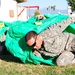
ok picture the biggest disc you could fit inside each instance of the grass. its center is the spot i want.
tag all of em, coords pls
(10, 65)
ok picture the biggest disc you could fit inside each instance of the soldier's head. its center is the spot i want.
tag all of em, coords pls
(34, 40)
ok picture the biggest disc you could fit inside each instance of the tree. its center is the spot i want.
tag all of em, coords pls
(51, 7)
(72, 4)
(37, 12)
(48, 7)
(19, 1)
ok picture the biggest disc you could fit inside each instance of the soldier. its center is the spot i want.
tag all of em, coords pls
(56, 44)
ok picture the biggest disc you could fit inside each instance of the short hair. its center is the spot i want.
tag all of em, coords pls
(29, 34)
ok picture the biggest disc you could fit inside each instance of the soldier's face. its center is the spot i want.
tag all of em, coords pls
(34, 42)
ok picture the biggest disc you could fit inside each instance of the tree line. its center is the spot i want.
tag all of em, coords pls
(70, 3)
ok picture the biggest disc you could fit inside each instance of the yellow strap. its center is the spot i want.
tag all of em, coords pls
(38, 23)
(1, 25)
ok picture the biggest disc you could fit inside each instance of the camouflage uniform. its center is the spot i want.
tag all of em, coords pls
(59, 43)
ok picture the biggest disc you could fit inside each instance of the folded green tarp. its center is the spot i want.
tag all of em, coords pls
(70, 28)
(15, 38)
(3, 29)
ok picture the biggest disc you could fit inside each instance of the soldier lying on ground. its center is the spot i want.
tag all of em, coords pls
(55, 45)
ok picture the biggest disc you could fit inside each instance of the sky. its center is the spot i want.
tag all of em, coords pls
(60, 4)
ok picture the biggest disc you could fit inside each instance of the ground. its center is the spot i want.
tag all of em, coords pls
(10, 65)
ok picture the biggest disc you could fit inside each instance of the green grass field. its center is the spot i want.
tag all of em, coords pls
(12, 66)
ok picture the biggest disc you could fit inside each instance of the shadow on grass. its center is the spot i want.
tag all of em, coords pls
(6, 56)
